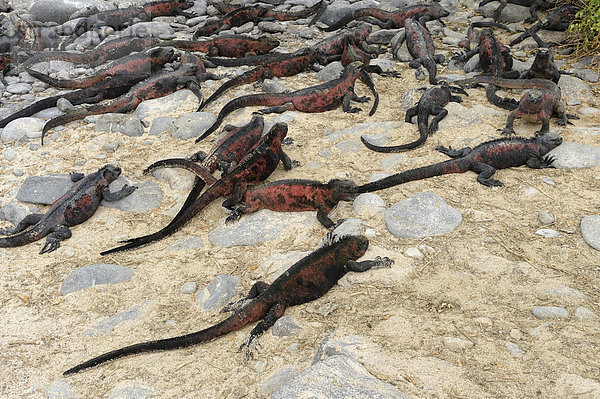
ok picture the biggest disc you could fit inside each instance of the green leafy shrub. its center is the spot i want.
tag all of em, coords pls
(585, 30)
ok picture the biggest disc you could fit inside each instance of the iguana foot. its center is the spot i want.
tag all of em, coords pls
(507, 132)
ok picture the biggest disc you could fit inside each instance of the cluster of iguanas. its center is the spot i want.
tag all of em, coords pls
(245, 157)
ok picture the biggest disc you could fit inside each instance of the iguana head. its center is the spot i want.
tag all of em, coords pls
(110, 172)
(548, 141)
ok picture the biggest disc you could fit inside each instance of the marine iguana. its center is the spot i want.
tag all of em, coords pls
(420, 46)
(296, 195)
(319, 98)
(255, 167)
(543, 67)
(306, 280)
(557, 20)
(224, 155)
(187, 75)
(538, 105)
(75, 207)
(151, 60)
(392, 19)
(432, 102)
(253, 13)
(228, 45)
(483, 160)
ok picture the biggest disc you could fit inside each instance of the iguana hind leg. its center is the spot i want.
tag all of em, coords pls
(27, 221)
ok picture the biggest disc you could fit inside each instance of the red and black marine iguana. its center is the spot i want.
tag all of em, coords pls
(483, 160)
(75, 207)
(306, 280)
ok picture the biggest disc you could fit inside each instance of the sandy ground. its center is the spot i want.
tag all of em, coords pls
(479, 285)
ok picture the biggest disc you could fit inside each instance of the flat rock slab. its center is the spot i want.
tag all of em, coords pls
(574, 89)
(127, 124)
(575, 156)
(338, 377)
(192, 125)
(44, 189)
(131, 390)
(180, 100)
(511, 13)
(97, 274)
(590, 230)
(218, 293)
(422, 215)
(258, 227)
(459, 116)
(147, 196)
(110, 323)
(22, 129)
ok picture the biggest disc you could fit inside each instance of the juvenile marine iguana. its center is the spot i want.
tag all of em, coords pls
(160, 85)
(391, 19)
(306, 280)
(534, 6)
(104, 90)
(296, 195)
(75, 207)
(151, 60)
(111, 50)
(483, 160)
(224, 155)
(557, 20)
(288, 65)
(253, 13)
(538, 104)
(255, 167)
(121, 17)
(228, 45)
(319, 98)
(432, 102)
(420, 46)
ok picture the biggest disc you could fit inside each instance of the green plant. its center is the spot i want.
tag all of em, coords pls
(585, 30)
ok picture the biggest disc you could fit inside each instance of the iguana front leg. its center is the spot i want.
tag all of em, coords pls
(485, 171)
(117, 195)
(58, 233)
(365, 265)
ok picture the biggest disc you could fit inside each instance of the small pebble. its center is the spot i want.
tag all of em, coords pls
(549, 312)
(189, 288)
(546, 218)
(414, 253)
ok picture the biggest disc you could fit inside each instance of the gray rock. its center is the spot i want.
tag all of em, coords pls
(377, 139)
(368, 204)
(199, 8)
(350, 227)
(546, 218)
(189, 288)
(218, 293)
(97, 274)
(549, 312)
(168, 104)
(512, 12)
(192, 125)
(391, 161)
(584, 314)
(64, 105)
(457, 344)
(574, 156)
(110, 323)
(286, 326)
(146, 29)
(472, 64)
(330, 72)
(60, 389)
(21, 129)
(306, 33)
(271, 26)
(590, 230)
(383, 36)
(61, 11)
(131, 390)
(335, 11)
(262, 226)
(247, 27)
(348, 146)
(325, 153)
(277, 380)
(13, 212)
(186, 243)
(87, 40)
(514, 348)
(566, 292)
(161, 124)
(587, 75)
(274, 86)
(547, 233)
(335, 378)
(18, 88)
(128, 124)
(385, 64)
(588, 111)
(410, 98)
(422, 215)
(147, 196)
(573, 88)
(44, 189)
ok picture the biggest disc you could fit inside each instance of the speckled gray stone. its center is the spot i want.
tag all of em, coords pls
(22, 129)
(590, 230)
(549, 312)
(131, 390)
(391, 161)
(127, 124)
(330, 72)
(18, 88)
(512, 12)
(258, 227)
(573, 88)
(459, 116)
(108, 324)
(574, 156)
(277, 380)
(368, 204)
(44, 189)
(60, 389)
(348, 146)
(547, 233)
(218, 293)
(286, 326)
(13, 212)
(271, 26)
(422, 215)
(147, 196)
(161, 124)
(145, 29)
(584, 314)
(337, 377)
(164, 105)
(192, 125)
(97, 274)
(189, 288)
(186, 243)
